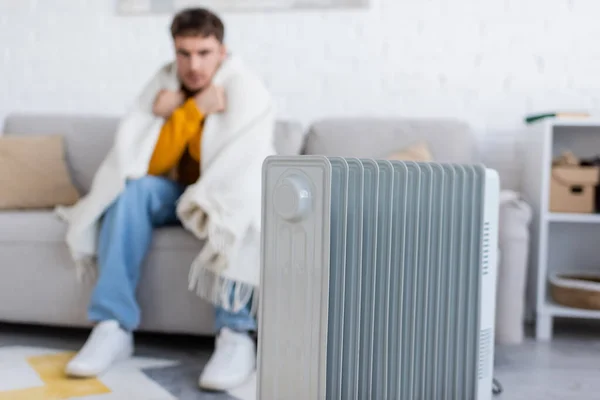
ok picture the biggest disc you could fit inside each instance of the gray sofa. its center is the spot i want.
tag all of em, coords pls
(37, 280)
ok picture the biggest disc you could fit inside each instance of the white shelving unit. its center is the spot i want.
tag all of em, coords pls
(561, 242)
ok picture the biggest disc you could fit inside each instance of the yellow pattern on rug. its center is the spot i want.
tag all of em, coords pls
(57, 386)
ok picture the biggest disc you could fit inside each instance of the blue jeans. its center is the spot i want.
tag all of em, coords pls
(125, 238)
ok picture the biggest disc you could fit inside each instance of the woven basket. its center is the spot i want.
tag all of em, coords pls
(577, 289)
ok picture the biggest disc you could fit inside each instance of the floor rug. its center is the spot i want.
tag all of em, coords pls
(247, 391)
(37, 373)
(28, 373)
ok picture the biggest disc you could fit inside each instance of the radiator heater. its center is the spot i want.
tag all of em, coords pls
(378, 280)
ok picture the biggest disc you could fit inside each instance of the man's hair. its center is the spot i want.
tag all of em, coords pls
(197, 22)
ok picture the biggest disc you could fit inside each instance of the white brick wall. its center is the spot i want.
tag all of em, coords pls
(488, 62)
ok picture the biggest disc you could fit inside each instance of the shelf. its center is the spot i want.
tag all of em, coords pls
(557, 310)
(590, 122)
(560, 241)
(574, 218)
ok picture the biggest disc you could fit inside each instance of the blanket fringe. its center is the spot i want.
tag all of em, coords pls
(85, 268)
(223, 292)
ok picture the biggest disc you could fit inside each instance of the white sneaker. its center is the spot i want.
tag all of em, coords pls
(107, 344)
(232, 362)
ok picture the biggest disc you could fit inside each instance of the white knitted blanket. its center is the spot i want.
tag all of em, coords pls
(223, 208)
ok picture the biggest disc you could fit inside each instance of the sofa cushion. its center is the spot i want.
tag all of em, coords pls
(31, 226)
(38, 285)
(289, 138)
(418, 152)
(88, 139)
(34, 174)
(47, 227)
(449, 140)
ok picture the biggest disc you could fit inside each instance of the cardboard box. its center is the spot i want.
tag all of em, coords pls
(573, 189)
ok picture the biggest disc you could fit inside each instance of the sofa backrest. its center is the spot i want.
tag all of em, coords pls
(449, 140)
(88, 138)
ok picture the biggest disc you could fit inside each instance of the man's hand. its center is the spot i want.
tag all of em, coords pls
(211, 100)
(166, 102)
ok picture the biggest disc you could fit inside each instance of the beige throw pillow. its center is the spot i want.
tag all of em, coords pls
(33, 173)
(418, 152)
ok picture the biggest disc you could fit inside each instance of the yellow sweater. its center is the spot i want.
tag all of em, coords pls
(178, 145)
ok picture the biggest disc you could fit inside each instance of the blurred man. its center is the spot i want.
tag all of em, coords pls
(190, 152)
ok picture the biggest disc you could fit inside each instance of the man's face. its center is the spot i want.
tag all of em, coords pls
(198, 59)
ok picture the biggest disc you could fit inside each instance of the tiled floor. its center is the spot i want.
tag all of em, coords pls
(568, 368)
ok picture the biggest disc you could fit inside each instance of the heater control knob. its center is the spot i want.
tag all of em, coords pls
(292, 198)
